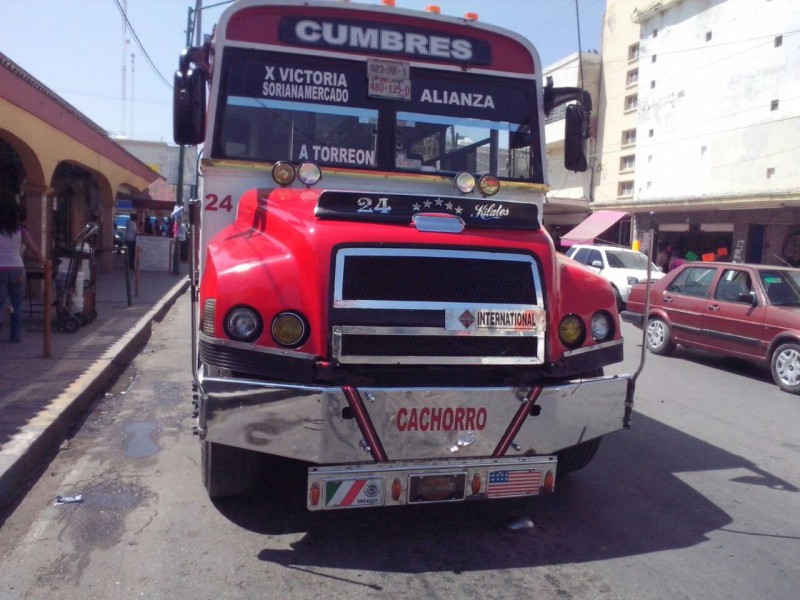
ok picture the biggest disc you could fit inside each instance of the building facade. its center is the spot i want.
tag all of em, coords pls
(702, 110)
(567, 202)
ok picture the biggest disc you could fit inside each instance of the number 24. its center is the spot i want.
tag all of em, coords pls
(214, 203)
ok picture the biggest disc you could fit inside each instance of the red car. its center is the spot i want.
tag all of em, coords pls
(741, 310)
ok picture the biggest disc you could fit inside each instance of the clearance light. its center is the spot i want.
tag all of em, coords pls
(289, 329)
(465, 182)
(283, 173)
(476, 484)
(549, 484)
(471, 16)
(397, 489)
(243, 324)
(488, 185)
(309, 173)
(601, 326)
(432, 8)
(314, 494)
(388, 3)
(571, 331)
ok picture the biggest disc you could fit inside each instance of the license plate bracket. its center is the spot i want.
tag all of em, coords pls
(439, 487)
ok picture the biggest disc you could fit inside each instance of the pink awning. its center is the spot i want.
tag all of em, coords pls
(591, 227)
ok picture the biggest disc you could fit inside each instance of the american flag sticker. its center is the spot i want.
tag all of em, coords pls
(504, 484)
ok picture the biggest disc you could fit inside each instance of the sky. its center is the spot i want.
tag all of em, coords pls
(77, 47)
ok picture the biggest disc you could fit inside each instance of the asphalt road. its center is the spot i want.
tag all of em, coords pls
(698, 500)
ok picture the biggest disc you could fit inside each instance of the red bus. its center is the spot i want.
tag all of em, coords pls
(378, 300)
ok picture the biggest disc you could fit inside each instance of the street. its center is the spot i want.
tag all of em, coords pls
(699, 499)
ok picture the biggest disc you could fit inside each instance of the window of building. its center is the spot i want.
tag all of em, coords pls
(655, 32)
(625, 189)
(778, 40)
(774, 105)
(650, 133)
(653, 58)
(633, 77)
(770, 172)
(708, 36)
(628, 137)
(653, 84)
(633, 51)
(703, 150)
(627, 162)
(631, 102)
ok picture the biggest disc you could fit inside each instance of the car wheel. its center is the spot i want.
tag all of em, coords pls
(785, 365)
(659, 338)
(620, 303)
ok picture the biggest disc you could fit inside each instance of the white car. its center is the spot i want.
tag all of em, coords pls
(621, 266)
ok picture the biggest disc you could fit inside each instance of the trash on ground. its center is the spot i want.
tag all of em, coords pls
(68, 499)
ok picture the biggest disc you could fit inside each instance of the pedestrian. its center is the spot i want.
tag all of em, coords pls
(148, 224)
(131, 230)
(12, 268)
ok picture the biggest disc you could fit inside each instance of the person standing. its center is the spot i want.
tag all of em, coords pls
(12, 268)
(131, 230)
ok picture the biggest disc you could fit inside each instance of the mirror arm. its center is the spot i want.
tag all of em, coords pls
(555, 97)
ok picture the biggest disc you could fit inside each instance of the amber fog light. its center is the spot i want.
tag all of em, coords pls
(309, 173)
(289, 329)
(465, 182)
(283, 173)
(476, 484)
(243, 324)
(571, 331)
(488, 185)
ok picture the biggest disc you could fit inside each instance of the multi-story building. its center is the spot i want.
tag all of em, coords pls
(700, 109)
(567, 202)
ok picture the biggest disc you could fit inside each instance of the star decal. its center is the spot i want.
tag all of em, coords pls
(459, 210)
(415, 206)
(439, 201)
(449, 206)
(427, 203)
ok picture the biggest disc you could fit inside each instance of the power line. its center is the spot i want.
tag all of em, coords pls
(141, 46)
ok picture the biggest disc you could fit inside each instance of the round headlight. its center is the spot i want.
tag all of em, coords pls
(465, 182)
(283, 173)
(488, 185)
(289, 329)
(571, 331)
(309, 173)
(601, 326)
(243, 324)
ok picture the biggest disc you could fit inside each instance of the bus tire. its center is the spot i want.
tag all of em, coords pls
(576, 457)
(229, 471)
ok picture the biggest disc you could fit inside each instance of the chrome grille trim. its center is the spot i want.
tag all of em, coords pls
(466, 346)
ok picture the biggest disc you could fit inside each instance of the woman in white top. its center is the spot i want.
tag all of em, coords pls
(12, 269)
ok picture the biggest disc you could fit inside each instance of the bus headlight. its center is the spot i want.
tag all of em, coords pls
(488, 185)
(289, 329)
(309, 173)
(465, 182)
(283, 173)
(571, 331)
(243, 324)
(601, 326)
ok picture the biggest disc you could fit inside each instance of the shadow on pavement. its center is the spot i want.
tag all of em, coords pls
(629, 501)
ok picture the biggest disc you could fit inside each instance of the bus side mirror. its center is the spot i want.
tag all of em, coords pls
(189, 107)
(574, 138)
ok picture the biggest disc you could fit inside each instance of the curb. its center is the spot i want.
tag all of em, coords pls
(31, 449)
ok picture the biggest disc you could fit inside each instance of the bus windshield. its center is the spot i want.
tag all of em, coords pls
(283, 107)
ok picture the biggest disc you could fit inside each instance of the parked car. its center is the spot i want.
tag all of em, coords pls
(747, 311)
(623, 267)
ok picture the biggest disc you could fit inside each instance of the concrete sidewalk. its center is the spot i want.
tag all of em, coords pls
(40, 398)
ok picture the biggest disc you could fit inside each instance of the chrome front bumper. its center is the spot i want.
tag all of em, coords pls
(330, 425)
